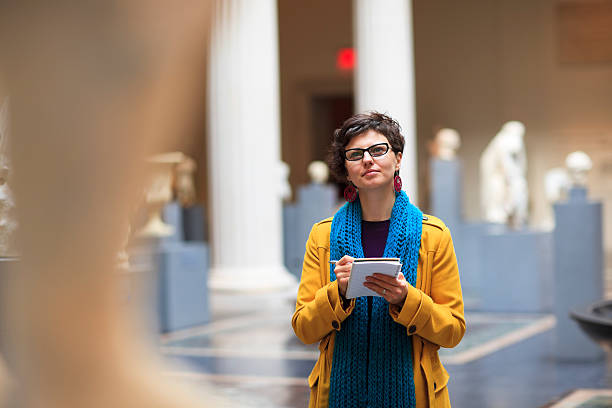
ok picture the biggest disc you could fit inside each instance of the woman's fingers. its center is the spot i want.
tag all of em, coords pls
(345, 260)
(390, 288)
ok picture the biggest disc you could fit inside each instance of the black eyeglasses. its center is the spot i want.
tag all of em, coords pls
(376, 150)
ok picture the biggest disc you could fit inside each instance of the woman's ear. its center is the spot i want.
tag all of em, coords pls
(398, 156)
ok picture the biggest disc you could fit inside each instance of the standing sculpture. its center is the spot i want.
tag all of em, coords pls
(8, 223)
(503, 186)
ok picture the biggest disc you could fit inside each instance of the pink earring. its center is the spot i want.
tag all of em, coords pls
(397, 183)
(350, 193)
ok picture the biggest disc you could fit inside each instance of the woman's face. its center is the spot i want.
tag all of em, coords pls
(371, 173)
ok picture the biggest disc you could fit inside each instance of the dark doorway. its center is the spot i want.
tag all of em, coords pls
(328, 113)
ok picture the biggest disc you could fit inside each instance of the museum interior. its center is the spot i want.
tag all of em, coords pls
(162, 166)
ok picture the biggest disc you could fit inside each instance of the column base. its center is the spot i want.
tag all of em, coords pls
(251, 279)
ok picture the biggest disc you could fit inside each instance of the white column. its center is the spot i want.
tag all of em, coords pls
(244, 169)
(384, 79)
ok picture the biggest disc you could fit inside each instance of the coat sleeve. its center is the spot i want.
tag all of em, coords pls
(319, 308)
(438, 318)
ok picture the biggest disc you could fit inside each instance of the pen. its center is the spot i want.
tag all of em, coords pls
(333, 262)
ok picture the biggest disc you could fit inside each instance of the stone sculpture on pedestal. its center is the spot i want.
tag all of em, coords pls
(559, 180)
(8, 223)
(314, 202)
(503, 186)
(578, 248)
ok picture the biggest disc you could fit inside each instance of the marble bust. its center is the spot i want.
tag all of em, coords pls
(446, 143)
(8, 222)
(503, 183)
(318, 172)
(578, 165)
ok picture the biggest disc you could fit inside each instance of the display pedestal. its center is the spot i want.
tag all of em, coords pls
(178, 270)
(517, 270)
(446, 198)
(315, 202)
(578, 271)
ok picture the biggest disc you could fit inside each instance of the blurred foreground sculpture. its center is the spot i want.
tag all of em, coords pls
(8, 223)
(503, 185)
(95, 88)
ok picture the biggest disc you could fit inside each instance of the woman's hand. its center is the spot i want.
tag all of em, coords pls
(393, 290)
(343, 272)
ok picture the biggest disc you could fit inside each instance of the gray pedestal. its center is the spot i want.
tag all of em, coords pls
(180, 271)
(578, 271)
(468, 243)
(314, 203)
(446, 187)
(446, 204)
(194, 223)
(172, 214)
(517, 271)
(292, 249)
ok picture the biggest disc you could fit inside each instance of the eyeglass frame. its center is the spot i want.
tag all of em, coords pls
(367, 149)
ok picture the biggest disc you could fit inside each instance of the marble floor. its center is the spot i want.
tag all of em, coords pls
(250, 355)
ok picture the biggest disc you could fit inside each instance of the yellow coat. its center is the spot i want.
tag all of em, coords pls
(432, 312)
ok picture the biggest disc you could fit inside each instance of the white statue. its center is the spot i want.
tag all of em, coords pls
(284, 188)
(503, 186)
(318, 172)
(559, 180)
(446, 143)
(578, 165)
(8, 223)
(556, 184)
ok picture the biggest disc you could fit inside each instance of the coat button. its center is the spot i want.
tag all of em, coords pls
(412, 329)
(335, 325)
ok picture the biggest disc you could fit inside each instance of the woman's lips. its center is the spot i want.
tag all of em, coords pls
(370, 172)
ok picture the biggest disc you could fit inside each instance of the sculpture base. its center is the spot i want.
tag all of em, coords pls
(517, 271)
(251, 279)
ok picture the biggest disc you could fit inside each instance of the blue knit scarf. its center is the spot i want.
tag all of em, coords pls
(378, 374)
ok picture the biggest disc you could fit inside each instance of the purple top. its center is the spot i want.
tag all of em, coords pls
(374, 237)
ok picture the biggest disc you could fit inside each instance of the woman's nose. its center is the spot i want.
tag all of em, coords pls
(367, 157)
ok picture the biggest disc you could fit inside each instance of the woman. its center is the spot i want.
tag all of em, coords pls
(378, 351)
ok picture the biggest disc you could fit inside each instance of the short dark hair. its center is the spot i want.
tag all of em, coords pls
(356, 125)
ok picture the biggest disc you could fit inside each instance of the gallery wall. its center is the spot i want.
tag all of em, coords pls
(482, 63)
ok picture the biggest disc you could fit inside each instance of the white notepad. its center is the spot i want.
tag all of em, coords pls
(363, 267)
